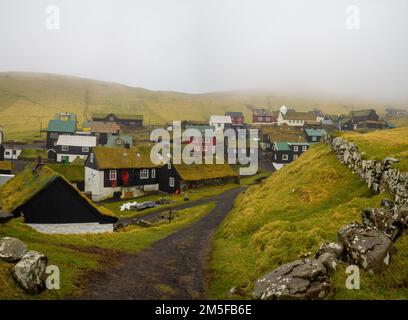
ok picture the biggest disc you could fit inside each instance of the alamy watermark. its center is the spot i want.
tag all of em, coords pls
(352, 17)
(237, 146)
(52, 19)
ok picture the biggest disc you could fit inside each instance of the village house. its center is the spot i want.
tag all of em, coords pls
(73, 172)
(62, 124)
(345, 124)
(175, 178)
(298, 119)
(205, 143)
(314, 135)
(396, 112)
(270, 135)
(119, 172)
(68, 148)
(286, 152)
(131, 121)
(361, 119)
(101, 130)
(122, 140)
(12, 152)
(220, 122)
(237, 118)
(42, 196)
(263, 116)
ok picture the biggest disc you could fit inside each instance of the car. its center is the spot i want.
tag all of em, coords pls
(145, 205)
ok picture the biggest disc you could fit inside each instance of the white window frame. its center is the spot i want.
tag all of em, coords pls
(171, 182)
(304, 148)
(169, 165)
(153, 173)
(296, 148)
(285, 156)
(113, 175)
(314, 138)
(295, 156)
(54, 135)
(144, 174)
(64, 148)
(85, 149)
(91, 157)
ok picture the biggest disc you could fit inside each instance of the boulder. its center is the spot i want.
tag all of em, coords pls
(12, 249)
(334, 248)
(366, 246)
(300, 279)
(30, 272)
(329, 260)
(391, 221)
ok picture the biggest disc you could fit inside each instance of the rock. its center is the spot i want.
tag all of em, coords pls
(12, 249)
(329, 261)
(387, 204)
(234, 291)
(143, 223)
(391, 221)
(300, 279)
(366, 246)
(334, 248)
(30, 272)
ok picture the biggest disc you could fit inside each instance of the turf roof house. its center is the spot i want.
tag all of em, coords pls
(174, 178)
(237, 118)
(102, 130)
(132, 121)
(62, 124)
(68, 148)
(298, 119)
(115, 171)
(74, 173)
(43, 196)
(263, 116)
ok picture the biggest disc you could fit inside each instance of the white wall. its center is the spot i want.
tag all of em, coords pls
(8, 153)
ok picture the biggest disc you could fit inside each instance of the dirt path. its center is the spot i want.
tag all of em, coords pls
(176, 267)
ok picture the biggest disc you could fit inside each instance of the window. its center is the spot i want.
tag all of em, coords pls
(260, 118)
(85, 149)
(64, 148)
(295, 148)
(295, 156)
(304, 148)
(285, 157)
(314, 138)
(54, 135)
(112, 175)
(267, 119)
(153, 173)
(169, 165)
(91, 157)
(144, 174)
(171, 182)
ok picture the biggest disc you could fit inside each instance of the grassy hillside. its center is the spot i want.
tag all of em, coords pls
(381, 144)
(292, 213)
(27, 99)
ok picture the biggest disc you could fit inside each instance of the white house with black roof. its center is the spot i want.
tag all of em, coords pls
(68, 147)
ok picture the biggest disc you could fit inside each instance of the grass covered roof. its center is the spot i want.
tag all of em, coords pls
(123, 158)
(72, 172)
(197, 172)
(27, 184)
(6, 165)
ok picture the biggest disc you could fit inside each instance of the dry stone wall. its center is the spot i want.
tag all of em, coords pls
(379, 175)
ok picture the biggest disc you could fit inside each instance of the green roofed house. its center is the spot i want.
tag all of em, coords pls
(131, 121)
(42, 196)
(286, 152)
(62, 124)
(314, 135)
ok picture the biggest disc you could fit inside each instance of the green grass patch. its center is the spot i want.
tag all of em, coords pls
(287, 215)
(71, 252)
(33, 154)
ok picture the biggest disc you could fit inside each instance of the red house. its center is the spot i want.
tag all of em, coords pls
(262, 116)
(237, 118)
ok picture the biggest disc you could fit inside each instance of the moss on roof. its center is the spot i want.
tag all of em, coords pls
(6, 165)
(197, 172)
(72, 172)
(284, 134)
(121, 116)
(123, 158)
(27, 184)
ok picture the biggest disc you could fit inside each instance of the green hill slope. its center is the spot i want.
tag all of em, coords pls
(27, 99)
(292, 213)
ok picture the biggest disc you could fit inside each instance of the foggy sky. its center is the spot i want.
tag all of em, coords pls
(215, 45)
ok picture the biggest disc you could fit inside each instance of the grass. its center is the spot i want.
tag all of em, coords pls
(70, 252)
(33, 154)
(287, 215)
(194, 194)
(29, 100)
(383, 143)
(249, 180)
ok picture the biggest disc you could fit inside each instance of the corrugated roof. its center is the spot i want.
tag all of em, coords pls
(282, 146)
(122, 158)
(62, 126)
(104, 127)
(316, 132)
(76, 141)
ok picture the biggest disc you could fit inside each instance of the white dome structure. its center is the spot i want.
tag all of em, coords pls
(283, 110)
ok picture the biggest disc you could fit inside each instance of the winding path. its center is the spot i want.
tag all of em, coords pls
(176, 267)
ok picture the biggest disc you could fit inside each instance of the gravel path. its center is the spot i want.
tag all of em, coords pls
(176, 267)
